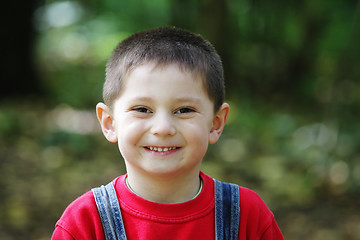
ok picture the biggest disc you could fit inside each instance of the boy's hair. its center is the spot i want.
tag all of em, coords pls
(162, 46)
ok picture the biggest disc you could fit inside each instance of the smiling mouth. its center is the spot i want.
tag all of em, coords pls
(161, 149)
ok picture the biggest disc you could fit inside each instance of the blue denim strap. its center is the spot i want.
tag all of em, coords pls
(109, 211)
(227, 210)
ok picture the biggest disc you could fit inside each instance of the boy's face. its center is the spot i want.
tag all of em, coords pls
(163, 120)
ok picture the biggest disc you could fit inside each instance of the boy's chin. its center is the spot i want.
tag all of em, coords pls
(165, 171)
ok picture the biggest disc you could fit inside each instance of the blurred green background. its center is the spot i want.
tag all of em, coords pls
(292, 73)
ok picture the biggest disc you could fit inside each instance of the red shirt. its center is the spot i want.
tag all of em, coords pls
(149, 220)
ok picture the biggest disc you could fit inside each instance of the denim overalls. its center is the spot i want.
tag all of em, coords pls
(227, 211)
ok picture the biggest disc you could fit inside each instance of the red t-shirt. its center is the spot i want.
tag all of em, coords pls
(149, 220)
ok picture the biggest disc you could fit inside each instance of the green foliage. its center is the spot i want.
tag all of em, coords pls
(292, 82)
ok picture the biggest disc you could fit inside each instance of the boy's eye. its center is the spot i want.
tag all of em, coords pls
(184, 110)
(141, 110)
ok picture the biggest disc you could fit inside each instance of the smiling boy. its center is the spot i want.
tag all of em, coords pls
(163, 95)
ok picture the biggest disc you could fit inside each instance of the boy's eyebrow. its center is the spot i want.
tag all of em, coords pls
(140, 98)
(188, 99)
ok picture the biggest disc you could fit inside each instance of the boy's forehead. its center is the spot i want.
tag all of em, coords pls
(143, 70)
(152, 67)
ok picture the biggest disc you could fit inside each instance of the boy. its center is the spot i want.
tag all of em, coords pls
(163, 94)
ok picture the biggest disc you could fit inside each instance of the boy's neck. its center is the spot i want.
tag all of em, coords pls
(163, 189)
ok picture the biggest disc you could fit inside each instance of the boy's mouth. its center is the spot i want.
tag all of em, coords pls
(161, 149)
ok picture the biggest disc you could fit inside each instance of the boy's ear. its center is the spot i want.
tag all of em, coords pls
(219, 123)
(106, 122)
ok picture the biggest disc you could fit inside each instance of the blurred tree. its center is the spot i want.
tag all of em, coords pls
(18, 75)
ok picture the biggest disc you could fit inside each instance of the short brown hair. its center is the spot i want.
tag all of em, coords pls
(163, 46)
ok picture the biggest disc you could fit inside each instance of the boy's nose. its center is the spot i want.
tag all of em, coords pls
(163, 125)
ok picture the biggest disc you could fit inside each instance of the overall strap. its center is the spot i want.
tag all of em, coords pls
(227, 210)
(109, 211)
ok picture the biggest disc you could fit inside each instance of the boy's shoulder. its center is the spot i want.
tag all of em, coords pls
(252, 206)
(251, 202)
(80, 216)
(80, 220)
(250, 195)
(256, 214)
(256, 219)
(85, 204)
(81, 205)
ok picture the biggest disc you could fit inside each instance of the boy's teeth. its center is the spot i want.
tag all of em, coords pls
(159, 149)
